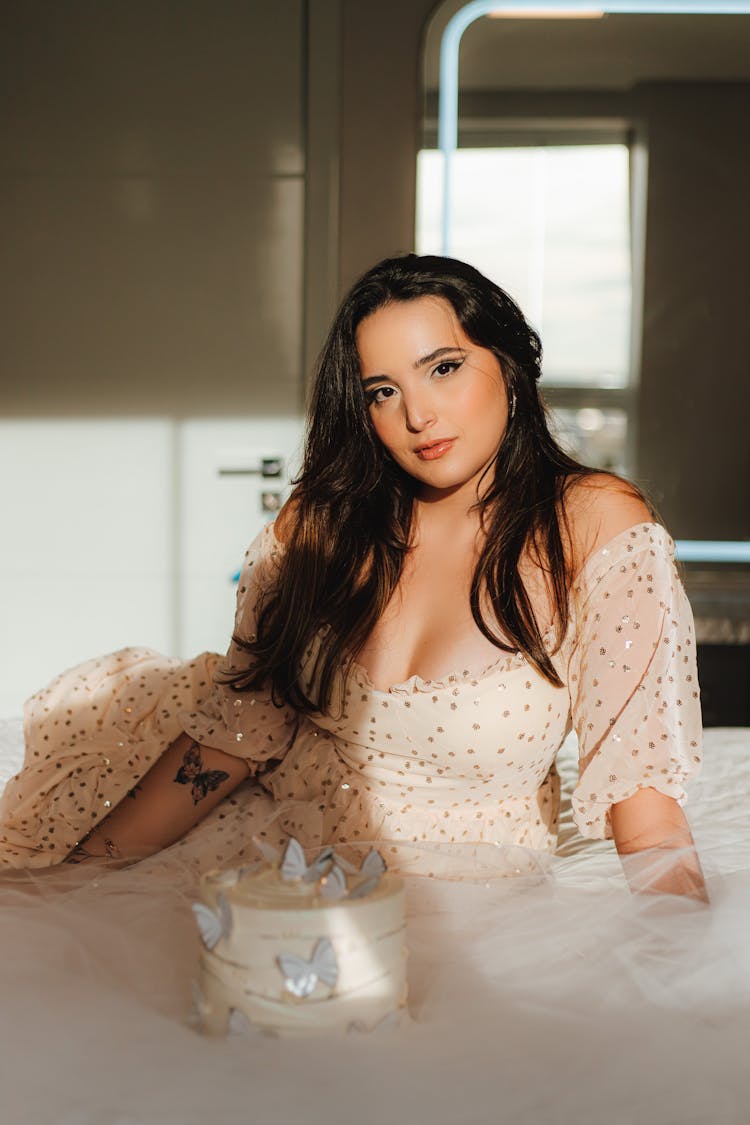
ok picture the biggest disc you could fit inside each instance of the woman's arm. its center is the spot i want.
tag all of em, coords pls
(634, 691)
(646, 828)
(179, 790)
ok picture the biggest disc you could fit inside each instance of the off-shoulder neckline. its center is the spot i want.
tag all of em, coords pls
(606, 550)
(416, 683)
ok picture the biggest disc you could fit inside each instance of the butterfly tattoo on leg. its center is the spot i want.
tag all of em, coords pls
(191, 772)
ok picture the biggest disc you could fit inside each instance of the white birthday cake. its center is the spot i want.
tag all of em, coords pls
(289, 948)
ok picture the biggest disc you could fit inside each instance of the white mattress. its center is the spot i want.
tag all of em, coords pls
(551, 999)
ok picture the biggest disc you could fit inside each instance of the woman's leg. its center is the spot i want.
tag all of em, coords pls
(179, 790)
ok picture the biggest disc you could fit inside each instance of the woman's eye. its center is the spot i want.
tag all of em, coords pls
(447, 367)
(380, 394)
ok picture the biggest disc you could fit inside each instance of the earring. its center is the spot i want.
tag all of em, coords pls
(512, 410)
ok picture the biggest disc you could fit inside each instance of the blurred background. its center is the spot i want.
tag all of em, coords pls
(188, 187)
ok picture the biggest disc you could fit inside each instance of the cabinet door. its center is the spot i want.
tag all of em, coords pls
(87, 526)
(221, 510)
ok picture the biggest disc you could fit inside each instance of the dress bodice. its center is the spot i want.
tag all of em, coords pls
(455, 750)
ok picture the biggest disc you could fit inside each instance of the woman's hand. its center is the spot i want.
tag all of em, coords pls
(656, 846)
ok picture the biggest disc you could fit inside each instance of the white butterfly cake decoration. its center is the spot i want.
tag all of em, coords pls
(328, 871)
(239, 1024)
(213, 925)
(373, 867)
(301, 977)
(294, 866)
(333, 883)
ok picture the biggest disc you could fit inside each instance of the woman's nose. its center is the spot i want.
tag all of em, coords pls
(419, 412)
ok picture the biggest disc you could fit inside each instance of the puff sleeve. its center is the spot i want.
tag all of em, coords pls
(632, 677)
(245, 724)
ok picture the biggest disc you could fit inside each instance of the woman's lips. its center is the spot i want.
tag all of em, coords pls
(437, 449)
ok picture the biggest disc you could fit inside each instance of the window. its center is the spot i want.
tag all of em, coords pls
(550, 223)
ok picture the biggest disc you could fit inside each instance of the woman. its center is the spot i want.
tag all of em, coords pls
(445, 596)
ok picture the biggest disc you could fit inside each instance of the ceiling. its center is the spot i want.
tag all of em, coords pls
(611, 53)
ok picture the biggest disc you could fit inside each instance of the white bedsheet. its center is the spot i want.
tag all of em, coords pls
(550, 999)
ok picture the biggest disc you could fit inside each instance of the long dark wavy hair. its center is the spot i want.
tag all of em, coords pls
(347, 526)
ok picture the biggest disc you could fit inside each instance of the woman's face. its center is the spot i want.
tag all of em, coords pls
(437, 401)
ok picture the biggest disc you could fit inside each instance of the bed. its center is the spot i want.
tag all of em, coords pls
(554, 997)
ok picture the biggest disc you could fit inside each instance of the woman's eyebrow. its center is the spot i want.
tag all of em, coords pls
(417, 363)
(435, 355)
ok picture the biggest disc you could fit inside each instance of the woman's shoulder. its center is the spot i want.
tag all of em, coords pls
(598, 507)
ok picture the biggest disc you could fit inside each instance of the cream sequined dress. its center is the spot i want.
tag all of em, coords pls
(467, 760)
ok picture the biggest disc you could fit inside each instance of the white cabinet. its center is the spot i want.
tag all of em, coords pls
(221, 512)
(124, 532)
